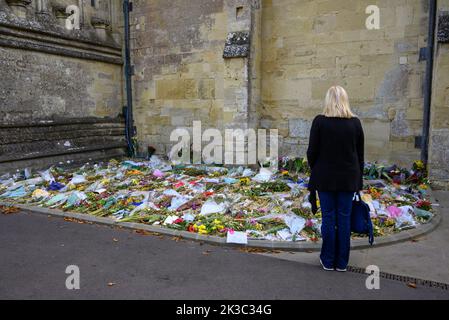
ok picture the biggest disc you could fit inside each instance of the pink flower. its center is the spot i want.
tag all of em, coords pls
(394, 211)
(309, 223)
(158, 173)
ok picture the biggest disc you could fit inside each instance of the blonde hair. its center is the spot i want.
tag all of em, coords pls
(336, 103)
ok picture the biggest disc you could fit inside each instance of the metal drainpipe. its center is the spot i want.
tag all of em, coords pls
(428, 80)
(129, 128)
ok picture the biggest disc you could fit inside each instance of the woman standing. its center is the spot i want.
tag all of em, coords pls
(335, 156)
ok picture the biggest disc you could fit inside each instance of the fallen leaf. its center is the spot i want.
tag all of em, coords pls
(77, 220)
(142, 232)
(9, 209)
(411, 285)
(258, 250)
(146, 233)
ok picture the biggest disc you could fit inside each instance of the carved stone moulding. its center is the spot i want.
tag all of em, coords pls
(99, 23)
(43, 7)
(443, 27)
(60, 13)
(101, 26)
(237, 45)
(19, 7)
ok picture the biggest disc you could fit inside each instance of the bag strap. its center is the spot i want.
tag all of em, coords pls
(371, 234)
(312, 200)
(370, 229)
(357, 196)
(370, 223)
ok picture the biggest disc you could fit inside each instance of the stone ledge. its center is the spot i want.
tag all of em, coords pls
(53, 122)
(52, 29)
(53, 39)
(33, 45)
(361, 243)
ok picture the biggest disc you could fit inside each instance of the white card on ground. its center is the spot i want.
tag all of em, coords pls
(237, 237)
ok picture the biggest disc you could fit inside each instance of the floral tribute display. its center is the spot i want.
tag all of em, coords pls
(218, 201)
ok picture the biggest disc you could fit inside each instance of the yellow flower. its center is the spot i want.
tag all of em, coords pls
(419, 164)
(202, 229)
(389, 222)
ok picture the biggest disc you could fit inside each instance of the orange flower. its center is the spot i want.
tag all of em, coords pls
(133, 172)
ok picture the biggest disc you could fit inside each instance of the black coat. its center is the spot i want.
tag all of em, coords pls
(335, 154)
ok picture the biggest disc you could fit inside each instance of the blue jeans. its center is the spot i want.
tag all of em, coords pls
(336, 228)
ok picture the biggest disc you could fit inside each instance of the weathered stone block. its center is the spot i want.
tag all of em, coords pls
(404, 16)
(299, 128)
(414, 113)
(207, 89)
(376, 130)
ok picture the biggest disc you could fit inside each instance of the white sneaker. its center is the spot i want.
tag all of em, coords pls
(341, 270)
(325, 268)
